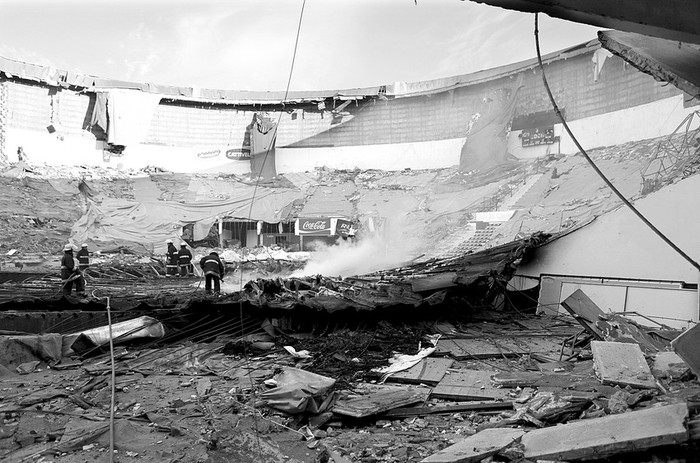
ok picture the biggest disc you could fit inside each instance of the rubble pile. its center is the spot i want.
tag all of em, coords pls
(509, 387)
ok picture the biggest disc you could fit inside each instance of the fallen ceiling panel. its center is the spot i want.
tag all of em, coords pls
(666, 60)
(670, 19)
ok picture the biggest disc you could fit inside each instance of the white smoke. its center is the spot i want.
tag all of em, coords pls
(369, 253)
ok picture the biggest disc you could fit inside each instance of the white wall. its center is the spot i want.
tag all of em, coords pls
(420, 155)
(619, 245)
(51, 149)
(666, 302)
(650, 120)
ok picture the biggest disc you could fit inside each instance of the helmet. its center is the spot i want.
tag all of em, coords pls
(68, 247)
(168, 241)
(183, 244)
(84, 245)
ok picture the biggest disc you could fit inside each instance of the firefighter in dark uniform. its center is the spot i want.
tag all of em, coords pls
(83, 258)
(171, 260)
(184, 260)
(70, 273)
(213, 272)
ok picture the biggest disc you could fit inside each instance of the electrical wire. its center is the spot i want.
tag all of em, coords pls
(250, 214)
(113, 391)
(612, 187)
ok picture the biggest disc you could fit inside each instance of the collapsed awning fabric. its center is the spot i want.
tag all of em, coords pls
(150, 223)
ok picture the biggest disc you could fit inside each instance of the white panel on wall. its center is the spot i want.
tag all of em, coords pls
(669, 304)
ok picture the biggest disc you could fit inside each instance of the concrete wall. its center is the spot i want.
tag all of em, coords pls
(622, 104)
(45, 148)
(619, 246)
(420, 155)
(667, 302)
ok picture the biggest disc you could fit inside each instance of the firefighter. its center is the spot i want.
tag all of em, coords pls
(70, 273)
(213, 272)
(171, 260)
(184, 260)
(83, 258)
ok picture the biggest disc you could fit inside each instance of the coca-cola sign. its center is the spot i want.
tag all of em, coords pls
(315, 226)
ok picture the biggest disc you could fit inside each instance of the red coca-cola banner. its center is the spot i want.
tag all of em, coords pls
(315, 226)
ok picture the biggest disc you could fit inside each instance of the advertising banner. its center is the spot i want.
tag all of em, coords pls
(316, 226)
(344, 227)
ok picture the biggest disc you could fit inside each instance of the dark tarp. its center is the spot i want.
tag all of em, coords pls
(263, 134)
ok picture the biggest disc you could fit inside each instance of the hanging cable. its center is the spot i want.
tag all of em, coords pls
(250, 214)
(113, 391)
(594, 166)
(279, 118)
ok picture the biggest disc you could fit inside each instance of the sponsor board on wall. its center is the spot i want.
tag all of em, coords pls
(538, 136)
(315, 226)
(344, 227)
(208, 154)
(238, 153)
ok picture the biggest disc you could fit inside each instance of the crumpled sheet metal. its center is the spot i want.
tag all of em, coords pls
(141, 327)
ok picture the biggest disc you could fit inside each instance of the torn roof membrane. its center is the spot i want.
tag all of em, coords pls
(61, 78)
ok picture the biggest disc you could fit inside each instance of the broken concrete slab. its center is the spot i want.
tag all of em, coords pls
(447, 409)
(620, 363)
(668, 365)
(609, 435)
(429, 371)
(563, 380)
(585, 311)
(468, 385)
(477, 447)
(686, 346)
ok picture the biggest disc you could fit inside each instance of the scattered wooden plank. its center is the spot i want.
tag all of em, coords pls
(428, 371)
(497, 347)
(621, 363)
(610, 326)
(443, 409)
(585, 311)
(463, 349)
(477, 447)
(617, 328)
(687, 346)
(599, 438)
(565, 380)
(381, 400)
(468, 385)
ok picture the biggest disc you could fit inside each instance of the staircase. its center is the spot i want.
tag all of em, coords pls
(477, 242)
(512, 200)
(446, 247)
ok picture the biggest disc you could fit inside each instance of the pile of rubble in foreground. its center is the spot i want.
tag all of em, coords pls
(500, 388)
